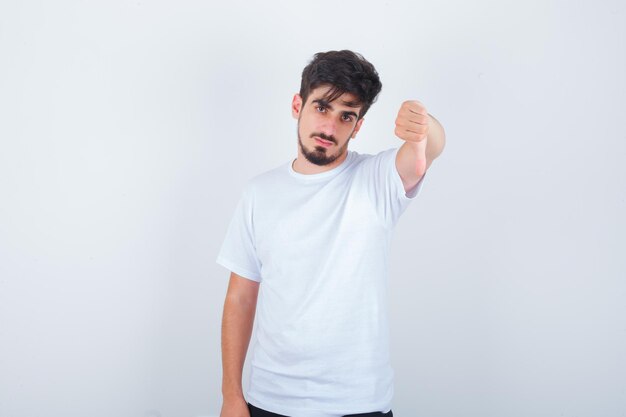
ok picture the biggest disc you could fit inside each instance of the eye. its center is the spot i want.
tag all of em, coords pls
(346, 118)
(321, 109)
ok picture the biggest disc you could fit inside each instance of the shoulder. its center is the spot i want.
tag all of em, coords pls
(265, 182)
(377, 160)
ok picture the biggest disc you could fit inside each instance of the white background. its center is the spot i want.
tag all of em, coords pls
(128, 129)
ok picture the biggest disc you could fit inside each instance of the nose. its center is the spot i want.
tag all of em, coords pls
(329, 127)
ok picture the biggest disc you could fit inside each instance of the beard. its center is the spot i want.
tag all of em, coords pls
(319, 154)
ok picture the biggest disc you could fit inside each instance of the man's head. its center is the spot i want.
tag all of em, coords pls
(337, 89)
(345, 72)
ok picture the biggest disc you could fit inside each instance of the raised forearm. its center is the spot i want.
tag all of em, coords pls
(436, 139)
(424, 140)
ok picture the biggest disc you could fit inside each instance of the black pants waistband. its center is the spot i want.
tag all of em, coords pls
(258, 412)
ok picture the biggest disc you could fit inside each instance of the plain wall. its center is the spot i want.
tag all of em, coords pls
(128, 129)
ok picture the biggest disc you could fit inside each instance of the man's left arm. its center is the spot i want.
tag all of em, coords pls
(424, 140)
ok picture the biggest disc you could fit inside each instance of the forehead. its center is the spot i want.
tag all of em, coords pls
(346, 100)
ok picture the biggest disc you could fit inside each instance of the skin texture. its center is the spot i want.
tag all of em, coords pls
(335, 121)
(424, 141)
(237, 321)
(423, 135)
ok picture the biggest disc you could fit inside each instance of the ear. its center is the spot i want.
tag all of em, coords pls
(296, 106)
(356, 128)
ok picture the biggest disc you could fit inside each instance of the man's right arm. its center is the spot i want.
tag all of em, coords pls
(237, 321)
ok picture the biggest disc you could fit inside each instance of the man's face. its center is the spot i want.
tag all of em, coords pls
(325, 128)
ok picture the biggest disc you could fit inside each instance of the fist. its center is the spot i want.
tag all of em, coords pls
(412, 121)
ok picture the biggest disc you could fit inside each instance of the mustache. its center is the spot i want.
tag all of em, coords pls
(324, 136)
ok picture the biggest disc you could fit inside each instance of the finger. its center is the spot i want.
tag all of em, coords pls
(419, 122)
(414, 132)
(415, 117)
(415, 106)
(419, 110)
(413, 127)
(410, 136)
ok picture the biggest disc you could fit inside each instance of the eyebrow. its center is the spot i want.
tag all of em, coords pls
(326, 104)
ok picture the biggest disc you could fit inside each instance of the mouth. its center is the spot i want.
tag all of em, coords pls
(323, 142)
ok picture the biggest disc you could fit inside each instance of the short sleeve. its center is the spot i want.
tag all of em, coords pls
(385, 186)
(238, 250)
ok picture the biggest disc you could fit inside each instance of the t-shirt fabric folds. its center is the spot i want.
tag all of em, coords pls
(319, 246)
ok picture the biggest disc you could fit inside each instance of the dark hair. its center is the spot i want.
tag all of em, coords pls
(346, 72)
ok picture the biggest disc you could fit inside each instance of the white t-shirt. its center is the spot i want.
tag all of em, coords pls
(319, 245)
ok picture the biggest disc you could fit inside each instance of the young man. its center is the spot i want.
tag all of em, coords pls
(310, 240)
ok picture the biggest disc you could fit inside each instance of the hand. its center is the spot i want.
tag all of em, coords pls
(412, 122)
(235, 407)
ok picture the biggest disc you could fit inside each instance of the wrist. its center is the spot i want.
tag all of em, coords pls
(232, 394)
